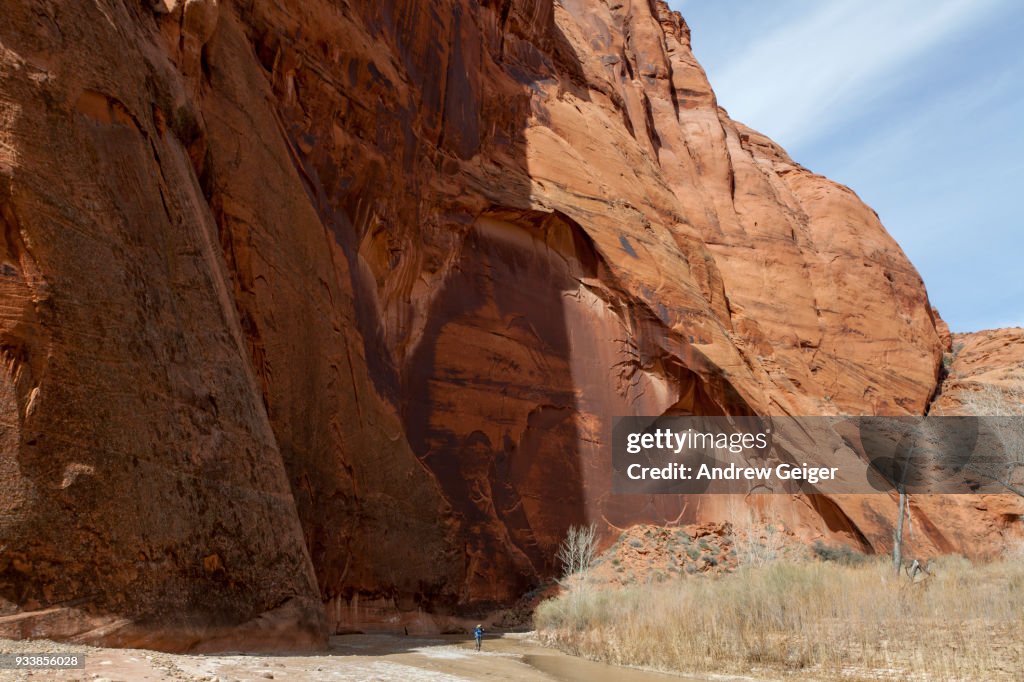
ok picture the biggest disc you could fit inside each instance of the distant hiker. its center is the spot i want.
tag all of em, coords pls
(478, 634)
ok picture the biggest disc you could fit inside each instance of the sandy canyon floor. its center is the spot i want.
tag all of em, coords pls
(352, 657)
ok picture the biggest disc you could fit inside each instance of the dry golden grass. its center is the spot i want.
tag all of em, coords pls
(811, 619)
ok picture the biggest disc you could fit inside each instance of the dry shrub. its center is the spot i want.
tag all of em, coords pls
(823, 619)
(757, 543)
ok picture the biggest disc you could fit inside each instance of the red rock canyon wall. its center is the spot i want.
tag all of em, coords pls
(315, 302)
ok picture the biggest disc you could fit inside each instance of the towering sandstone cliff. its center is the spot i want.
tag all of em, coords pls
(312, 303)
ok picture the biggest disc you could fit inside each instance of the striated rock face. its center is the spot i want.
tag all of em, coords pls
(307, 303)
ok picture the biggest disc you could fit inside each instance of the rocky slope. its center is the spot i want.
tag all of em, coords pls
(985, 375)
(992, 359)
(329, 303)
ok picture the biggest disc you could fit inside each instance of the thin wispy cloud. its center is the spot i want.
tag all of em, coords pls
(804, 78)
(911, 132)
(914, 104)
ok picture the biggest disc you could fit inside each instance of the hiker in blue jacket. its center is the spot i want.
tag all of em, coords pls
(478, 633)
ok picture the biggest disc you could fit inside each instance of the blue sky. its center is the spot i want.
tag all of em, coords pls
(917, 105)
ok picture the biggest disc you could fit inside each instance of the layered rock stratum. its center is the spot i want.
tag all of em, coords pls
(316, 313)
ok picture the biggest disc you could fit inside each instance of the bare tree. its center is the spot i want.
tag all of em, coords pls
(900, 472)
(1005, 467)
(757, 543)
(897, 535)
(577, 550)
(1008, 401)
